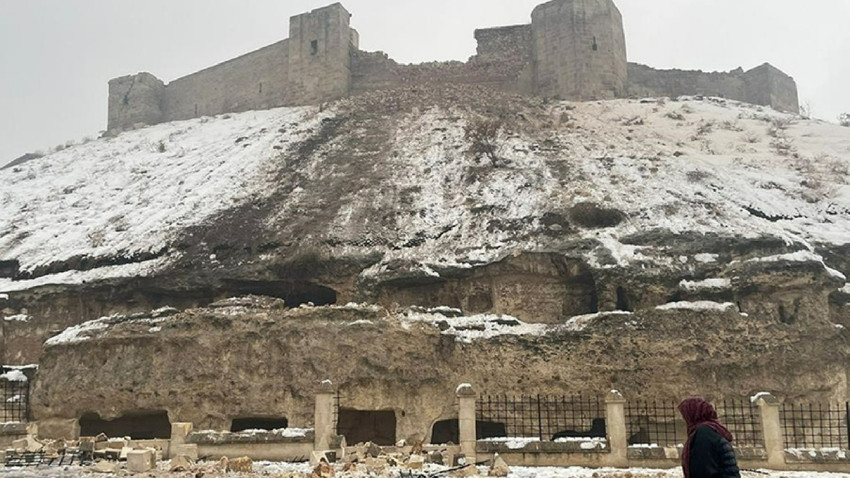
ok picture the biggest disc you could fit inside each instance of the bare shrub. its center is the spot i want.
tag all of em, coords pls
(731, 126)
(778, 126)
(844, 119)
(783, 146)
(483, 135)
(703, 128)
(697, 176)
(751, 137)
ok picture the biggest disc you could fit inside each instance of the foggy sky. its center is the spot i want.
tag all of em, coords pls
(56, 56)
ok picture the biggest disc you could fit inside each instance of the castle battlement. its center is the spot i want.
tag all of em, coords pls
(572, 49)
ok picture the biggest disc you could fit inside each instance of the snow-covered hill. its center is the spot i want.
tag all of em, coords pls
(434, 184)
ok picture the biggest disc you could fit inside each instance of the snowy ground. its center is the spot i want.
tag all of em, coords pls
(698, 165)
(290, 470)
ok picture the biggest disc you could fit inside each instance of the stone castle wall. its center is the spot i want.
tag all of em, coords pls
(573, 49)
(763, 85)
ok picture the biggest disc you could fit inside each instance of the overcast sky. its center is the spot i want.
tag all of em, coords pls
(56, 56)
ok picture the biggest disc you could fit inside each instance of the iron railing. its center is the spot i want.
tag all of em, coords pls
(655, 422)
(743, 419)
(543, 416)
(15, 397)
(816, 425)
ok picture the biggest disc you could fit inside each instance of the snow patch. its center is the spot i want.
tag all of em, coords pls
(14, 375)
(78, 333)
(578, 323)
(17, 318)
(513, 443)
(476, 327)
(706, 284)
(704, 305)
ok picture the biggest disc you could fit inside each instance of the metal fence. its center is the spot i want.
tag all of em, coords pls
(15, 396)
(656, 422)
(743, 419)
(543, 416)
(816, 425)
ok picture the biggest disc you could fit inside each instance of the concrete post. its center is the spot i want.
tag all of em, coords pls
(323, 418)
(615, 423)
(466, 421)
(774, 441)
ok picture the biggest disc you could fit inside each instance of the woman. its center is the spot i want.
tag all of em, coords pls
(708, 452)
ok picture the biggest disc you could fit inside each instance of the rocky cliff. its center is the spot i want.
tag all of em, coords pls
(457, 197)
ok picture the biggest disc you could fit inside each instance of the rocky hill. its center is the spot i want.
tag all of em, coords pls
(457, 197)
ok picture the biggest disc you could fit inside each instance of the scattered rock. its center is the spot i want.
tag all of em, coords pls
(104, 466)
(241, 465)
(182, 463)
(499, 467)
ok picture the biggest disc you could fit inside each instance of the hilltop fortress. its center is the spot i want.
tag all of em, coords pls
(573, 49)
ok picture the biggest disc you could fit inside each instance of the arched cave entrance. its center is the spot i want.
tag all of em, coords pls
(448, 431)
(258, 423)
(360, 426)
(143, 425)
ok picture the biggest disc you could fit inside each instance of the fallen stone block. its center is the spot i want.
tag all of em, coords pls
(104, 466)
(499, 467)
(415, 462)
(140, 461)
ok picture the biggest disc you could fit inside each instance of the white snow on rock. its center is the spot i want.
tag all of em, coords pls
(78, 333)
(702, 305)
(475, 327)
(706, 258)
(707, 284)
(17, 318)
(755, 398)
(118, 197)
(14, 375)
(578, 323)
(513, 443)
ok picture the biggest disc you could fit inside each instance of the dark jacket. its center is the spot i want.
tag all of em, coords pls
(712, 456)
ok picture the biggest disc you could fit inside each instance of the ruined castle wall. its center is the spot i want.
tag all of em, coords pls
(647, 81)
(764, 85)
(504, 43)
(767, 85)
(258, 80)
(580, 50)
(135, 99)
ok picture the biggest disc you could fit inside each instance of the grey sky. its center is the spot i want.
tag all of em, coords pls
(56, 56)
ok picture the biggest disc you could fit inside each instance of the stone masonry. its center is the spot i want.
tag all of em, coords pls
(573, 50)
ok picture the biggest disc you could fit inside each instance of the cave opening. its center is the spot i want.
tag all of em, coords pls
(448, 431)
(361, 426)
(141, 425)
(294, 293)
(623, 302)
(258, 423)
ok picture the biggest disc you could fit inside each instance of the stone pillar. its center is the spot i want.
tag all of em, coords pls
(323, 419)
(466, 421)
(771, 428)
(179, 432)
(615, 423)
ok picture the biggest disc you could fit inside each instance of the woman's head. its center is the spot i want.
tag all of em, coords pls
(696, 410)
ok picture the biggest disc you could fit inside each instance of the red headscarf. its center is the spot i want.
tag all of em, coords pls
(697, 413)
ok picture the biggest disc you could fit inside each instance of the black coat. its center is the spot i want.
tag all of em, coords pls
(712, 456)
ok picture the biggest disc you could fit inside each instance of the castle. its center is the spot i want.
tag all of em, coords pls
(573, 49)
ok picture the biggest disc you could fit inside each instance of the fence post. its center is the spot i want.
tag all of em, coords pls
(771, 428)
(466, 420)
(615, 422)
(323, 418)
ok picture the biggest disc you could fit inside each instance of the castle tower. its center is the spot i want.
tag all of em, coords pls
(135, 99)
(579, 50)
(320, 45)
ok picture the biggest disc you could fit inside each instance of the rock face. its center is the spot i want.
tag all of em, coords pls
(251, 358)
(498, 212)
